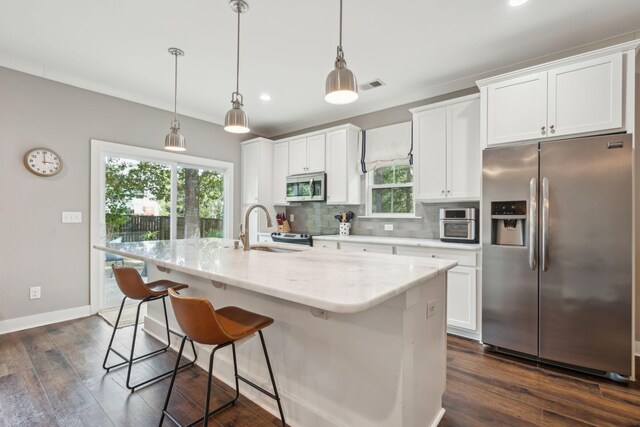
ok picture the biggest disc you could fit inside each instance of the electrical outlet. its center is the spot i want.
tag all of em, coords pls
(34, 292)
(431, 308)
(71, 217)
(290, 217)
(388, 227)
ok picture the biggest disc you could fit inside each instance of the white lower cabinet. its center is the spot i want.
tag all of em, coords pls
(462, 287)
(461, 298)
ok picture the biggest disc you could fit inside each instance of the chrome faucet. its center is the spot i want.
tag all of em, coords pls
(244, 232)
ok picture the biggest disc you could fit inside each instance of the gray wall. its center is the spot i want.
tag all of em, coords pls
(37, 249)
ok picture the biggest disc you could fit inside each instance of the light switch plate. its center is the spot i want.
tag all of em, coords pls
(34, 292)
(388, 227)
(431, 308)
(71, 217)
(290, 217)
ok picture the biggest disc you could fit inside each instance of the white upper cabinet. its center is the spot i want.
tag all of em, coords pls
(580, 96)
(257, 171)
(517, 109)
(446, 140)
(586, 97)
(306, 154)
(463, 150)
(250, 175)
(280, 172)
(430, 157)
(343, 178)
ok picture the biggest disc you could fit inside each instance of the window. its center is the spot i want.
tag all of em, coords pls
(390, 191)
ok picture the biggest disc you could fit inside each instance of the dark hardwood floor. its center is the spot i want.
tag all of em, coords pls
(53, 375)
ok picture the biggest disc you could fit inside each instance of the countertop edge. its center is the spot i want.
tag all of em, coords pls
(401, 241)
(340, 308)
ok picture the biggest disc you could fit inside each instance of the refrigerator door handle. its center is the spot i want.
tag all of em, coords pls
(545, 224)
(533, 224)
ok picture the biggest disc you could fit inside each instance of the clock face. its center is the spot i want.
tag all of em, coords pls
(42, 162)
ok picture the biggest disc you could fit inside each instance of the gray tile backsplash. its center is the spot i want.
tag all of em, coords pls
(317, 218)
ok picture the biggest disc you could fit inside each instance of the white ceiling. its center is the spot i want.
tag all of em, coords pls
(419, 48)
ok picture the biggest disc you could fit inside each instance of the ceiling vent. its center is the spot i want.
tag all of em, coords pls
(371, 85)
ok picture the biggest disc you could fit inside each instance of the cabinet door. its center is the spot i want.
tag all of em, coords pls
(250, 172)
(517, 109)
(315, 153)
(337, 185)
(280, 172)
(461, 298)
(298, 156)
(463, 150)
(430, 159)
(586, 97)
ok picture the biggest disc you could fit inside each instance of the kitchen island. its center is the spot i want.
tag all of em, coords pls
(358, 340)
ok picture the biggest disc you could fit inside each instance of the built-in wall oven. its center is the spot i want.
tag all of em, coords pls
(459, 225)
(308, 187)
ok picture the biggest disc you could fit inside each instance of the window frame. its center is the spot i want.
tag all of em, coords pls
(99, 150)
(370, 186)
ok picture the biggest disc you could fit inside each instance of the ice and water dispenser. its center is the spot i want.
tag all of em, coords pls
(508, 223)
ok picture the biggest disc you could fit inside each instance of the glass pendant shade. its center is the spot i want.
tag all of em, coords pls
(174, 141)
(236, 120)
(341, 86)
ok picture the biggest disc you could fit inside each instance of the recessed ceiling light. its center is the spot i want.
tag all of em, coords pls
(265, 97)
(515, 3)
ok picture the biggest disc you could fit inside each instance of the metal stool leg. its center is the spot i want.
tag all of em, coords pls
(113, 335)
(173, 380)
(273, 381)
(129, 361)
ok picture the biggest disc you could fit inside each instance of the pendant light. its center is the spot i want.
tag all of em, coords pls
(236, 120)
(174, 141)
(341, 86)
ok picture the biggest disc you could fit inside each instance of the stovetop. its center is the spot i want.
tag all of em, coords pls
(300, 239)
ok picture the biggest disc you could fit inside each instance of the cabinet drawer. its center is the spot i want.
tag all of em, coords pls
(464, 258)
(366, 247)
(325, 245)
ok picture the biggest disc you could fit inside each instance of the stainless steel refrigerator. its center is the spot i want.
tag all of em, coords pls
(557, 252)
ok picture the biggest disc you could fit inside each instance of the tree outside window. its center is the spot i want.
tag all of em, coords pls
(391, 190)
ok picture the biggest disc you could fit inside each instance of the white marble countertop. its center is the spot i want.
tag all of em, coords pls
(328, 280)
(400, 241)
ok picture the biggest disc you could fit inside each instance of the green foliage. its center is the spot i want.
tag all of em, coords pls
(390, 193)
(126, 180)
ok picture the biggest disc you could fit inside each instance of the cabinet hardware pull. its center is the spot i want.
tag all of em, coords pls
(543, 129)
(552, 129)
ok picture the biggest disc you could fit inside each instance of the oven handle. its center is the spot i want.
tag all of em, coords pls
(311, 189)
(533, 224)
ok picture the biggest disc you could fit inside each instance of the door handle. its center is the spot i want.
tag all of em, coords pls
(545, 224)
(533, 224)
(311, 189)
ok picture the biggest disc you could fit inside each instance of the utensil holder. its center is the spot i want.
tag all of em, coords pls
(345, 228)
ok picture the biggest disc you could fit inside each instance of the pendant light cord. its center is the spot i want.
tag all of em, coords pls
(175, 93)
(340, 44)
(238, 56)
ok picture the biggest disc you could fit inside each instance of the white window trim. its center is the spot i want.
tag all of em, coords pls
(99, 150)
(370, 186)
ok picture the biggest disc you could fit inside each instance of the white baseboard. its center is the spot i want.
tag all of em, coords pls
(463, 333)
(27, 322)
(438, 418)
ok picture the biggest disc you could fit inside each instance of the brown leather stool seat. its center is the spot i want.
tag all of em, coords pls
(205, 325)
(133, 287)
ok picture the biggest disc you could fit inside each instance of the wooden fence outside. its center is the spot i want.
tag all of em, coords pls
(138, 228)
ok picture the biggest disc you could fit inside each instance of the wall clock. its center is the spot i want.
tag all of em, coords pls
(42, 162)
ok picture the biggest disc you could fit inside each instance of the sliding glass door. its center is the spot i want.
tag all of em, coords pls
(145, 195)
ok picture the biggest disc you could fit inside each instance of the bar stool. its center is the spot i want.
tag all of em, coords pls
(205, 325)
(133, 287)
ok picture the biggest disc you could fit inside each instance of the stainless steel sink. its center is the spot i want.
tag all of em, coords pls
(277, 249)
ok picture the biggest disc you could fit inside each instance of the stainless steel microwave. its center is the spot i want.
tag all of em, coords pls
(306, 188)
(459, 225)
